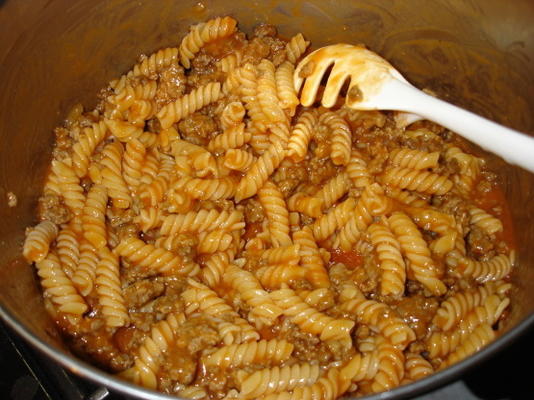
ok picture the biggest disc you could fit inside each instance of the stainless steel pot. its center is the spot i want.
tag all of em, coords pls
(478, 54)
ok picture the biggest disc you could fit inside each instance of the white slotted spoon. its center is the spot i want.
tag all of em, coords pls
(376, 85)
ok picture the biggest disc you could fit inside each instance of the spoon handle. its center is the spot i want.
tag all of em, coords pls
(513, 146)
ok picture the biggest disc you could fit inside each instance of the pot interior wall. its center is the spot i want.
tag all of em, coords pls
(53, 54)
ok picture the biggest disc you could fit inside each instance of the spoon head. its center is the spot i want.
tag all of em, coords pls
(365, 70)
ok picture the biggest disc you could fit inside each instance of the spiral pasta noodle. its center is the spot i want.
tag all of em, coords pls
(200, 221)
(132, 163)
(112, 178)
(333, 190)
(341, 137)
(148, 256)
(481, 336)
(267, 94)
(108, 289)
(392, 266)
(93, 217)
(420, 181)
(278, 379)
(215, 267)
(204, 33)
(309, 205)
(238, 160)
(38, 240)
(152, 349)
(284, 87)
(417, 252)
(84, 275)
(69, 185)
(276, 212)
(311, 259)
(59, 287)
(232, 115)
(358, 171)
(264, 310)
(188, 104)
(301, 135)
(265, 352)
(482, 271)
(85, 146)
(310, 320)
(334, 219)
(440, 344)
(485, 221)
(260, 171)
(457, 306)
(414, 159)
(273, 276)
(67, 248)
(156, 62)
(296, 47)
(380, 316)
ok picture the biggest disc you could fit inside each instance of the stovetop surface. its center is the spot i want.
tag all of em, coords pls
(27, 376)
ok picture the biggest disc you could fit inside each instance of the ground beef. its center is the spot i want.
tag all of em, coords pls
(141, 292)
(254, 212)
(479, 244)
(197, 128)
(52, 208)
(263, 30)
(418, 311)
(172, 85)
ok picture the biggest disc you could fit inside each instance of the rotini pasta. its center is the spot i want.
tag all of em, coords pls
(310, 320)
(416, 251)
(203, 33)
(108, 288)
(263, 352)
(278, 379)
(188, 104)
(58, 286)
(38, 241)
(203, 234)
(420, 181)
(277, 214)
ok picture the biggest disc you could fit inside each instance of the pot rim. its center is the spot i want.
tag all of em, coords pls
(100, 377)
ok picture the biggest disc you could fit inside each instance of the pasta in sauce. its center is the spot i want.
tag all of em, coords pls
(204, 235)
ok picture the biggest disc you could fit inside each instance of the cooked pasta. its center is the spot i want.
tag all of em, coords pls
(419, 181)
(202, 34)
(108, 288)
(267, 381)
(38, 240)
(68, 250)
(263, 352)
(284, 87)
(188, 104)
(416, 251)
(310, 320)
(83, 149)
(341, 137)
(392, 265)
(277, 214)
(202, 234)
(296, 47)
(59, 287)
(93, 217)
(148, 256)
(155, 62)
(301, 135)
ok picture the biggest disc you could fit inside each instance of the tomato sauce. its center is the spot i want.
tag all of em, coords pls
(351, 259)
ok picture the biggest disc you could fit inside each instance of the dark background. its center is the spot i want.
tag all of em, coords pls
(507, 376)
